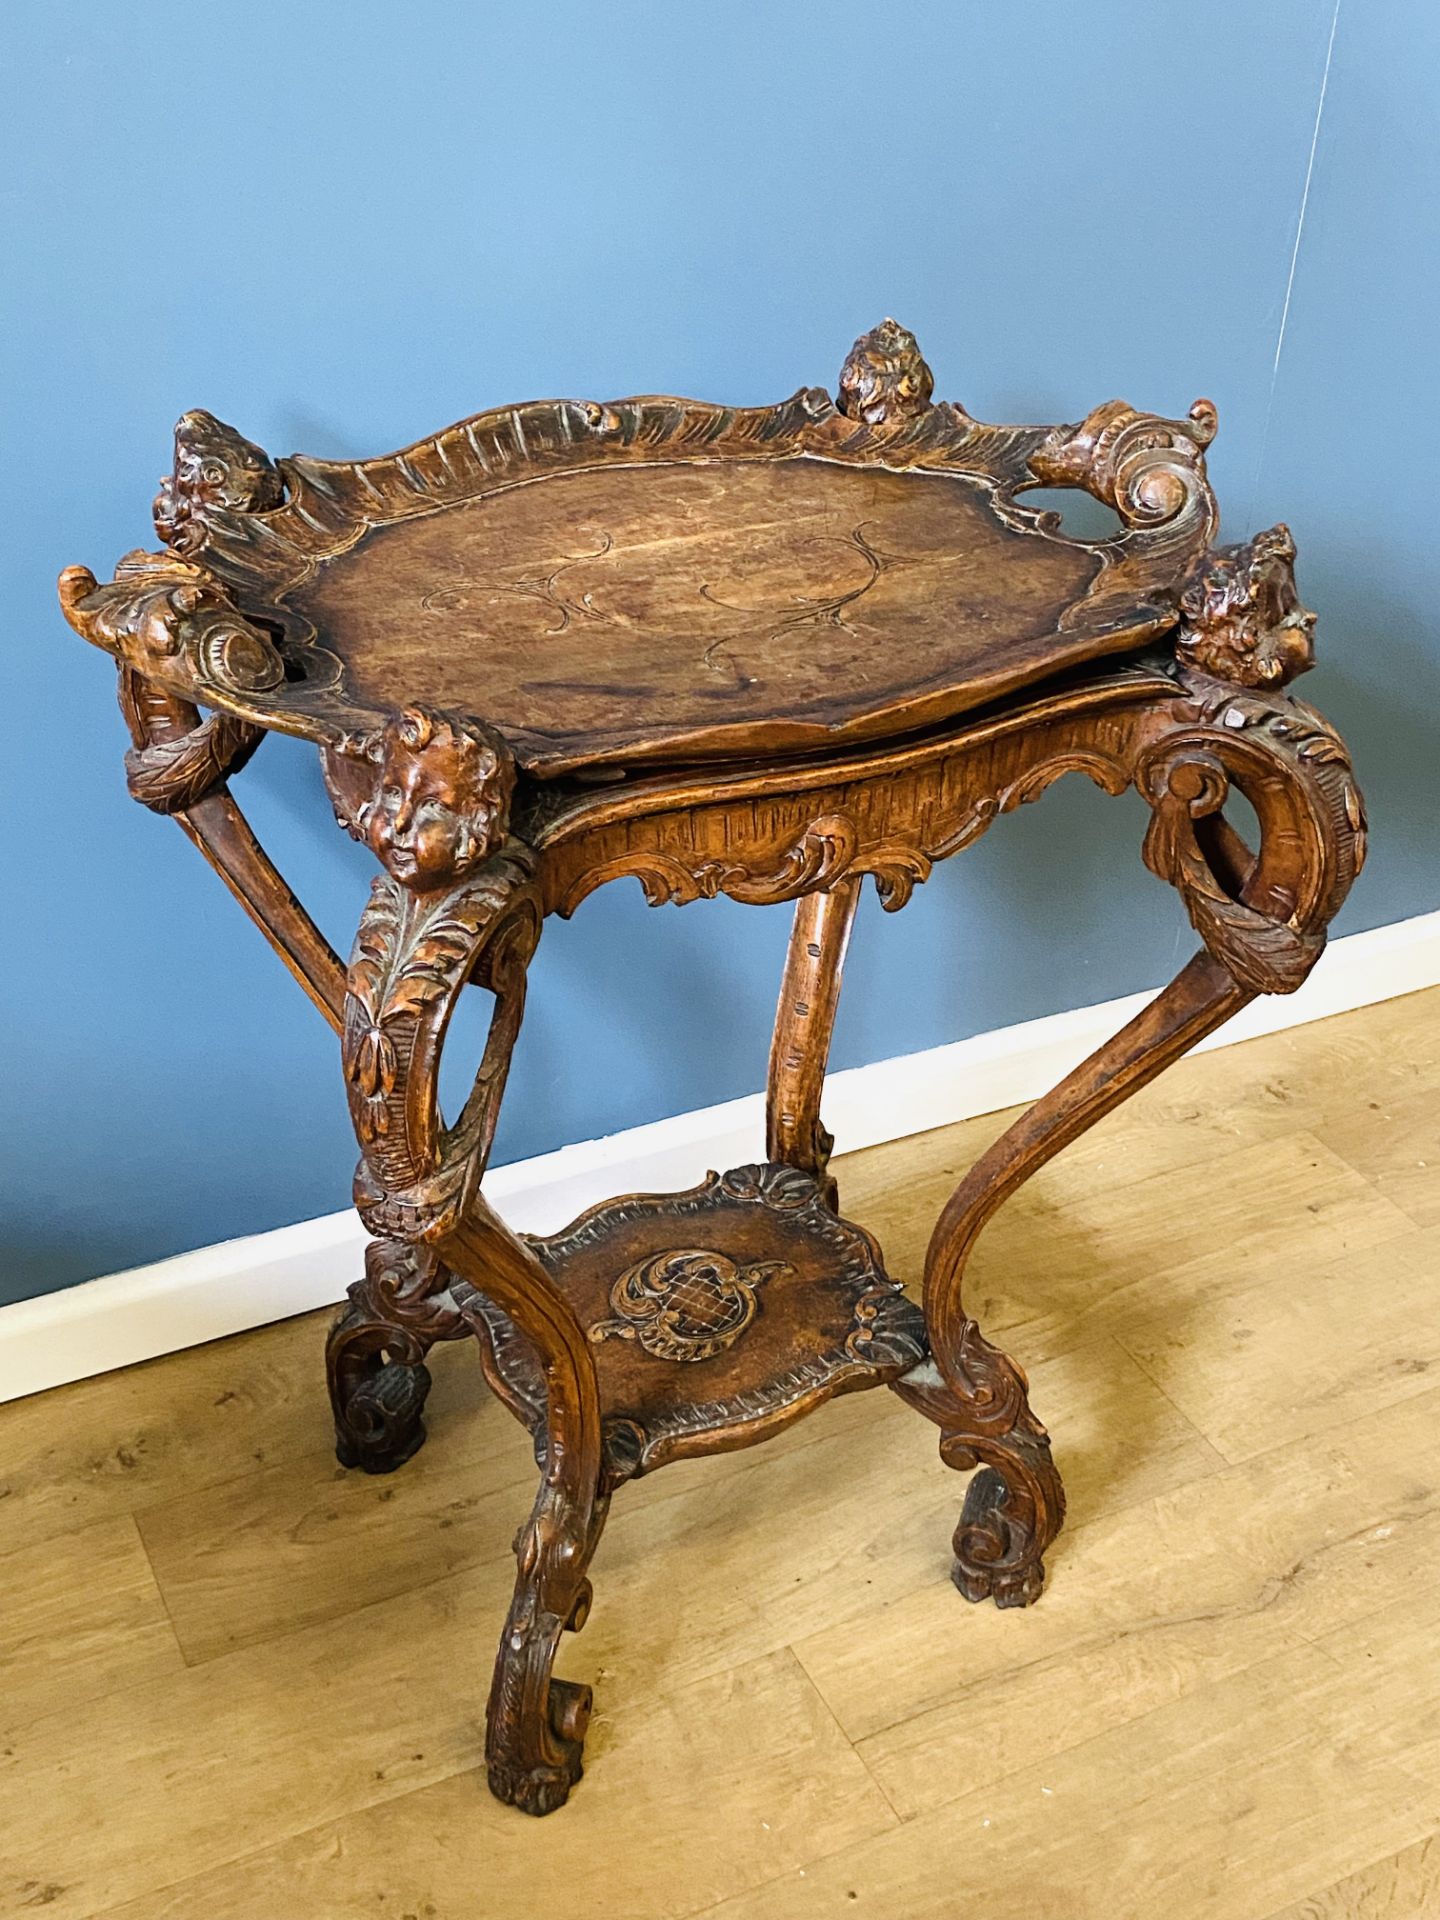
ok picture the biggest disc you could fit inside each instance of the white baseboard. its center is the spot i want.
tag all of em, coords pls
(122, 1318)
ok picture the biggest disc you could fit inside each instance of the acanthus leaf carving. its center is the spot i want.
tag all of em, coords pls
(179, 757)
(172, 620)
(1261, 952)
(414, 953)
(1293, 767)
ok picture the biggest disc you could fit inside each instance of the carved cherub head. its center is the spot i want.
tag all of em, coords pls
(1241, 617)
(437, 802)
(214, 467)
(885, 380)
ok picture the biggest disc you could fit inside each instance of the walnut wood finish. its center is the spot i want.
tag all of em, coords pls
(689, 581)
(759, 652)
(804, 1018)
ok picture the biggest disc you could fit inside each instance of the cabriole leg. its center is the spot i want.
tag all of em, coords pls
(1262, 917)
(460, 905)
(975, 1393)
(535, 1724)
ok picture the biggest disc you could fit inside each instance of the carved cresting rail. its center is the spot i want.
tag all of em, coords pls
(501, 771)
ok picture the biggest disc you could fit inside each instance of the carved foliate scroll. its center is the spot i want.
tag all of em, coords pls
(428, 793)
(215, 467)
(1241, 617)
(172, 620)
(687, 1303)
(1148, 469)
(414, 953)
(1267, 927)
(179, 757)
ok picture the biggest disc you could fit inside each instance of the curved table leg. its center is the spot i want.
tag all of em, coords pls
(180, 765)
(1262, 918)
(443, 1259)
(974, 1392)
(804, 1021)
(535, 1724)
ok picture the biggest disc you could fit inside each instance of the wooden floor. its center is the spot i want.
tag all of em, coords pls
(239, 1684)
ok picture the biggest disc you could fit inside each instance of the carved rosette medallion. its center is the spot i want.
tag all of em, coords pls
(687, 1304)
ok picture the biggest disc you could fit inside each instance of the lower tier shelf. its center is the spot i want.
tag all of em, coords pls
(716, 1316)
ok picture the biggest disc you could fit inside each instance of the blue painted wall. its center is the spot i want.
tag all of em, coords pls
(340, 227)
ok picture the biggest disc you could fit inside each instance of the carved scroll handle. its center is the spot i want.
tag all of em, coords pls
(1150, 470)
(175, 623)
(1263, 916)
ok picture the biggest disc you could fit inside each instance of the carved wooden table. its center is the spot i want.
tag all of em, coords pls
(760, 652)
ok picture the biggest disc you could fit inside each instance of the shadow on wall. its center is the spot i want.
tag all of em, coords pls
(1379, 682)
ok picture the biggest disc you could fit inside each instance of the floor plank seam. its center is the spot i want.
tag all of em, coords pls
(819, 1692)
(1304, 1908)
(163, 1598)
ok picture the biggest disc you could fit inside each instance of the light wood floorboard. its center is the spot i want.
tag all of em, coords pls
(236, 1682)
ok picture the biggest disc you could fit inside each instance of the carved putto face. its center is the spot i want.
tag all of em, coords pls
(439, 798)
(1241, 617)
(885, 378)
(214, 467)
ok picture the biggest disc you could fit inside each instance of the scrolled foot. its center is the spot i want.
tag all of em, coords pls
(983, 1546)
(1015, 1505)
(538, 1790)
(1013, 1510)
(375, 1355)
(378, 1426)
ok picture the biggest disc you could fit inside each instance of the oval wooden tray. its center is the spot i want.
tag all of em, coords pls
(664, 580)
